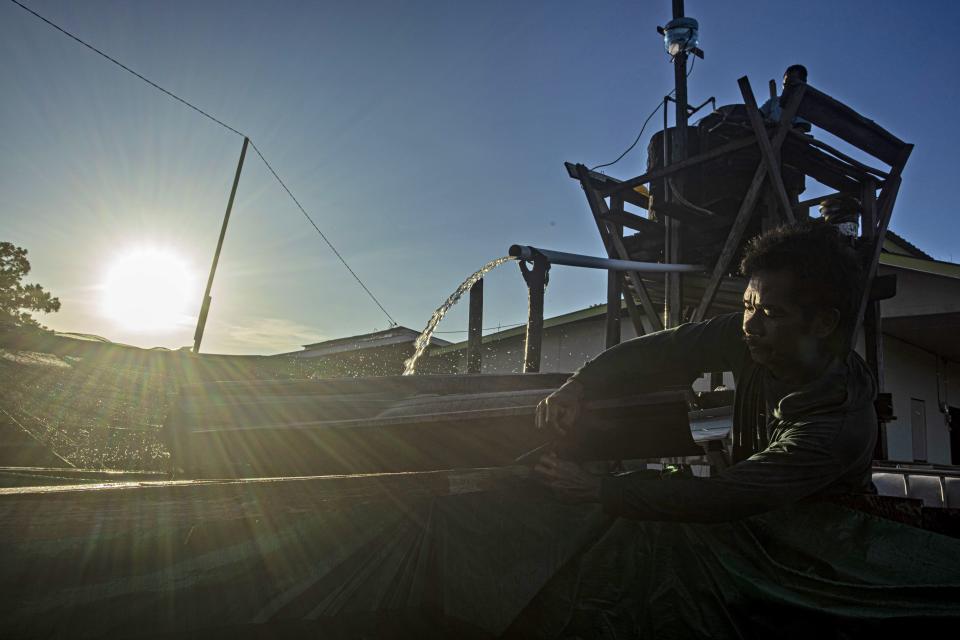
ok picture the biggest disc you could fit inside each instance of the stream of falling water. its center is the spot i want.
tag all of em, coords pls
(423, 340)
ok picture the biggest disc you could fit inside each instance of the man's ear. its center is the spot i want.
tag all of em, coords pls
(825, 322)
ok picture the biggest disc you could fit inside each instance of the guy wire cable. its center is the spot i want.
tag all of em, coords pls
(153, 84)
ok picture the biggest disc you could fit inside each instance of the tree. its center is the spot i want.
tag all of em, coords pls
(18, 299)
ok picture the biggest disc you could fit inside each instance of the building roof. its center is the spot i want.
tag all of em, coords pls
(387, 337)
(894, 243)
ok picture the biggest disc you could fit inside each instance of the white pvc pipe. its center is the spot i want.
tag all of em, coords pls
(523, 252)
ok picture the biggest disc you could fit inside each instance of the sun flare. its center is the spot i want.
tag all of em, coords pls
(147, 290)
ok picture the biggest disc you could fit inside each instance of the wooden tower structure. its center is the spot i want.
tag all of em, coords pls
(711, 186)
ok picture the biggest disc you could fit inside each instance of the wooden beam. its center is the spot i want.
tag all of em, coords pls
(614, 286)
(663, 172)
(822, 166)
(612, 323)
(686, 215)
(745, 212)
(636, 316)
(848, 125)
(632, 221)
(888, 196)
(839, 154)
(767, 154)
(615, 249)
(600, 181)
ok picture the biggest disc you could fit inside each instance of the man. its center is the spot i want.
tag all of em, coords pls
(771, 109)
(744, 554)
(804, 422)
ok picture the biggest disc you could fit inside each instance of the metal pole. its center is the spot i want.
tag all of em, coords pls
(205, 304)
(673, 300)
(475, 329)
(523, 252)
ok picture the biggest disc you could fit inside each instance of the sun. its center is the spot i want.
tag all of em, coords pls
(148, 290)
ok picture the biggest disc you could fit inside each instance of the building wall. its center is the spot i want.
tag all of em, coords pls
(565, 349)
(913, 373)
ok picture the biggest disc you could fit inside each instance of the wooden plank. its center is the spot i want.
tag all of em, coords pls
(385, 386)
(743, 215)
(767, 154)
(663, 172)
(236, 498)
(848, 125)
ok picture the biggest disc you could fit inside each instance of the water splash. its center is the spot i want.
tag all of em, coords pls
(423, 340)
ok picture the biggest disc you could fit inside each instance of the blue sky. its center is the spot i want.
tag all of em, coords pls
(423, 137)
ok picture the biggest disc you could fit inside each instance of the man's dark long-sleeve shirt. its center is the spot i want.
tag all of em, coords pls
(819, 438)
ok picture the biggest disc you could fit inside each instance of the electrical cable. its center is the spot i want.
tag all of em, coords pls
(225, 126)
(639, 135)
(645, 123)
(497, 328)
(393, 322)
(126, 68)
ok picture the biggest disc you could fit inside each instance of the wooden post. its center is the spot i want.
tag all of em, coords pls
(614, 281)
(872, 331)
(536, 279)
(475, 329)
(614, 295)
(205, 304)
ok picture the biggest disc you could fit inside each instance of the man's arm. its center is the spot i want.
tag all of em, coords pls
(799, 464)
(686, 351)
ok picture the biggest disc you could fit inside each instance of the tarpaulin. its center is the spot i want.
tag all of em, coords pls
(506, 562)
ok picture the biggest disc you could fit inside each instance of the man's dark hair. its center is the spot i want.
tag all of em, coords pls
(826, 269)
(799, 69)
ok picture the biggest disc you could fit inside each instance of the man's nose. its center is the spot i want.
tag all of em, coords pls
(752, 326)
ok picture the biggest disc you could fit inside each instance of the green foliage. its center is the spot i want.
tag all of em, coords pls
(18, 299)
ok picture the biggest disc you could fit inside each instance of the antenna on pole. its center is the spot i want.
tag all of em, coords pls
(680, 38)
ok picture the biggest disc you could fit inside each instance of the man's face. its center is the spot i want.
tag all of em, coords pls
(790, 79)
(777, 331)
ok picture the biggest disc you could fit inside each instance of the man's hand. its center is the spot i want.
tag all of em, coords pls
(559, 411)
(568, 481)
